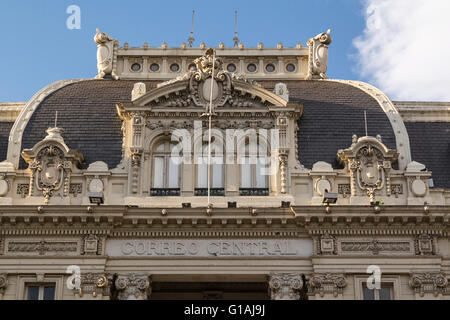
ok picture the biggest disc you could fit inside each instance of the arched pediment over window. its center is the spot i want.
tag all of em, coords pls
(229, 91)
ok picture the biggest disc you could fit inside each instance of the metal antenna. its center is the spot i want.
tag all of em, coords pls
(210, 113)
(235, 39)
(56, 119)
(191, 38)
(365, 121)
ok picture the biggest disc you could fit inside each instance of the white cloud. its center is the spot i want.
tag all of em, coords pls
(405, 48)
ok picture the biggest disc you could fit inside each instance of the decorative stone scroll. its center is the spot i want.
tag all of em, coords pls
(369, 162)
(51, 163)
(133, 287)
(285, 286)
(106, 55)
(318, 55)
(435, 283)
(327, 283)
(3, 283)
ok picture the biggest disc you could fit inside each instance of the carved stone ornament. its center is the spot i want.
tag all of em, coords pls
(369, 162)
(327, 283)
(132, 287)
(95, 284)
(92, 245)
(51, 163)
(3, 282)
(327, 244)
(194, 89)
(435, 283)
(285, 286)
(424, 245)
(106, 55)
(318, 55)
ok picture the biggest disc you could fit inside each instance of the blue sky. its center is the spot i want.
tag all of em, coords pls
(38, 49)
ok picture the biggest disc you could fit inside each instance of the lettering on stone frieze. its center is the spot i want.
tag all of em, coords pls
(210, 248)
(375, 246)
(42, 247)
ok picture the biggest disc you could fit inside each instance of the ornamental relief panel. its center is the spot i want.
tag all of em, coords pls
(369, 163)
(51, 163)
(42, 247)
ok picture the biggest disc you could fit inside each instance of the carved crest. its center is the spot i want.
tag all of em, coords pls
(369, 162)
(51, 162)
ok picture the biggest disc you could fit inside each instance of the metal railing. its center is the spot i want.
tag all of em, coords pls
(164, 192)
(253, 191)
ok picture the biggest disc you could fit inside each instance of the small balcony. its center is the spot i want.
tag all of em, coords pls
(215, 192)
(253, 191)
(164, 192)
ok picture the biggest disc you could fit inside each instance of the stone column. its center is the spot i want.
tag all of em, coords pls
(285, 286)
(133, 287)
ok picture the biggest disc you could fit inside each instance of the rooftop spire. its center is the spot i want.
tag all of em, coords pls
(235, 39)
(191, 38)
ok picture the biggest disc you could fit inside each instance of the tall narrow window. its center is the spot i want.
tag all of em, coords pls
(216, 171)
(254, 164)
(166, 170)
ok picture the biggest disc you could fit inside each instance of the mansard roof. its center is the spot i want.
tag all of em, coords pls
(333, 112)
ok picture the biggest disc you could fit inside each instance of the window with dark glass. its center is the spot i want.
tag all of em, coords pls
(254, 164)
(40, 292)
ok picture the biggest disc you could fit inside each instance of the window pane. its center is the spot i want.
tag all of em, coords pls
(158, 172)
(261, 173)
(246, 174)
(202, 173)
(49, 293)
(368, 294)
(217, 173)
(161, 147)
(174, 172)
(385, 293)
(33, 293)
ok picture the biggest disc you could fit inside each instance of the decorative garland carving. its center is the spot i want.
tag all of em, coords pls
(435, 283)
(327, 283)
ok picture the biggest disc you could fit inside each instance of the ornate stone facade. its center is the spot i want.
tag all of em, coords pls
(118, 222)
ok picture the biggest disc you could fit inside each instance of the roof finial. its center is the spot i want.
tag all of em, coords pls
(191, 38)
(235, 39)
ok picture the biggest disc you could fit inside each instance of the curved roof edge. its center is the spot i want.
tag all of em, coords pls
(401, 134)
(15, 136)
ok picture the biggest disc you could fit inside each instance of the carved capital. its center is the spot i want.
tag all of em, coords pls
(285, 286)
(327, 283)
(133, 287)
(428, 283)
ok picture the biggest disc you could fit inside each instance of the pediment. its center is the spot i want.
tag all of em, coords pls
(196, 88)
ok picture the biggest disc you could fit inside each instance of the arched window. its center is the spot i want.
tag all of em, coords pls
(166, 170)
(255, 169)
(217, 173)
